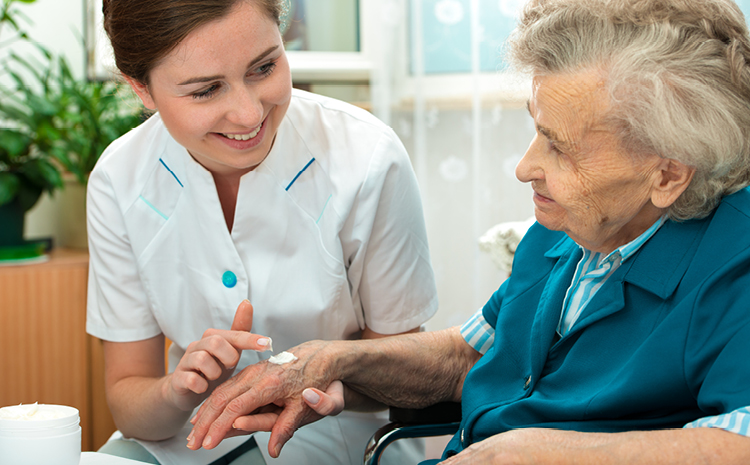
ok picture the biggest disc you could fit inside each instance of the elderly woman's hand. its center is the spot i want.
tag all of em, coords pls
(266, 397)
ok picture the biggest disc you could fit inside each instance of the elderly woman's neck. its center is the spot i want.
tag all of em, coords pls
(624, 234)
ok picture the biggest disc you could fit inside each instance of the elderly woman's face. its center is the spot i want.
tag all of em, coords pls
(584, 182)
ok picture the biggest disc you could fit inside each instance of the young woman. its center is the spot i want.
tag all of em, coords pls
(240, 189)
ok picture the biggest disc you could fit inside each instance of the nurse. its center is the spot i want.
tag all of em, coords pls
(240, 189)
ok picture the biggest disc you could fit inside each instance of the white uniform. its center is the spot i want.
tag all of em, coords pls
(328, 238)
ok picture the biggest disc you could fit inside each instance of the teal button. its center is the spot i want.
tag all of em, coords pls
(229, 279)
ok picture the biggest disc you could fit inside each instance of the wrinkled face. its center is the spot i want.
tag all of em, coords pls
(223, 91)
(584, 182)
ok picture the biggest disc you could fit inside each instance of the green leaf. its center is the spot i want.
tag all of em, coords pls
(9, 184)
(14, 143)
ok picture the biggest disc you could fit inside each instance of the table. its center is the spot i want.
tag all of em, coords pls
(95, 458)
(47, 355)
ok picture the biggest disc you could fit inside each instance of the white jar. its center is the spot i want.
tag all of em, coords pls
(38, 434)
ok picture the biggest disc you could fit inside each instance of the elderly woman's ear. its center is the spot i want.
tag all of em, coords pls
(674, 177)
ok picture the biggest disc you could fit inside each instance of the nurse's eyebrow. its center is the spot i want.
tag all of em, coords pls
(217, 77)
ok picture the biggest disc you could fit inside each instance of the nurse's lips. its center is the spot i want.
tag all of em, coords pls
(244, 141)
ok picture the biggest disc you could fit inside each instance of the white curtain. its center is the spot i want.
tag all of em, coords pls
(465, 129)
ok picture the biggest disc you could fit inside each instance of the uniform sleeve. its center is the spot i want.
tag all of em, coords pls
(117, 307)
(385, 244)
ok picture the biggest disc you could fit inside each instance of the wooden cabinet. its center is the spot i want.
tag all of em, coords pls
(45, 354)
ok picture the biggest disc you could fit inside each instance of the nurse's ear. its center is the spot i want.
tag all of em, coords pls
(142, 91)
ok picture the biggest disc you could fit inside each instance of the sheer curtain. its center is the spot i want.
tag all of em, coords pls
(438, 80)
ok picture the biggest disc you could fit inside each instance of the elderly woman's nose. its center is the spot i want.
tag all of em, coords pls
(528, 168)
(245, 108)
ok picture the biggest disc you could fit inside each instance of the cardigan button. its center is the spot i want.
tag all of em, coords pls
(527, 384)
(462, 436)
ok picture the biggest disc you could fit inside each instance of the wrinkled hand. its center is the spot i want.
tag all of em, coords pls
(530, 446)
(211, 360)
(266, 397)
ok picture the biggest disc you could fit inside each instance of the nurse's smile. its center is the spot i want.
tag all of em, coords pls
(243, 141)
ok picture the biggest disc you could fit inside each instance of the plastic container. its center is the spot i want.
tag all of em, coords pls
(39, 434)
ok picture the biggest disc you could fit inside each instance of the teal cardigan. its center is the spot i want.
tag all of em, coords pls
(664, 342)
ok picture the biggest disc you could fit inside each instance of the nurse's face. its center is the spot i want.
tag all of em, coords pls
(223, 91)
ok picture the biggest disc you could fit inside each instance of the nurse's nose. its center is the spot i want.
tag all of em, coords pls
(245, 108)
(529, 168)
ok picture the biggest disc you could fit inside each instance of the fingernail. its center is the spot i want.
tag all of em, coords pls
(311, 396)
(191, 441)
(265, 342)
(207, 442)
(192, 421)
(277, 451)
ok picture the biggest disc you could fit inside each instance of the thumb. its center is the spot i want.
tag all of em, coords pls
(243, 317)
(328, 403)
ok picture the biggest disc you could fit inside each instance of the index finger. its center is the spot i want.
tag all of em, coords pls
(240, 340)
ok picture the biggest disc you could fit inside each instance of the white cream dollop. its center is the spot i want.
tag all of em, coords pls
(33, 412)
(282, 358)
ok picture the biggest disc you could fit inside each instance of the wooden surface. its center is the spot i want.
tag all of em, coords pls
(45, 354)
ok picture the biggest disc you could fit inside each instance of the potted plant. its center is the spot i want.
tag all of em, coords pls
(51, 124)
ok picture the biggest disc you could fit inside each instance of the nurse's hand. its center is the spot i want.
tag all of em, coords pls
(211, 360)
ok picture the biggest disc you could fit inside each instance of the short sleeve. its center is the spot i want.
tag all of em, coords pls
(117, 306)
(385, 244)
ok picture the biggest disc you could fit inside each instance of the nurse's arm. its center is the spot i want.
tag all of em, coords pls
(135, 382)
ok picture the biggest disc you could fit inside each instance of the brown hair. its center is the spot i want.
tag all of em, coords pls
(143, 32)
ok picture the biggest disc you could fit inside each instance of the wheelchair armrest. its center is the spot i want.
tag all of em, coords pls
(436, 420)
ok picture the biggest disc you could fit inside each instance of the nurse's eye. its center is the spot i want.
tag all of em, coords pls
(264, 70)
(206, 93)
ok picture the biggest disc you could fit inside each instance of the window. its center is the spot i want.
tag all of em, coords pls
(323, 40)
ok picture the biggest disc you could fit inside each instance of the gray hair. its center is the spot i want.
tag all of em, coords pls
(677, 74)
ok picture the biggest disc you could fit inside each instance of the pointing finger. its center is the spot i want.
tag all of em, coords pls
(243, 317)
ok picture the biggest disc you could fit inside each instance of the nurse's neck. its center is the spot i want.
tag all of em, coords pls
(227, 186)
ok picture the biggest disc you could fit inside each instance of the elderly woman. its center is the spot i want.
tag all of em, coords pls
(621, 335)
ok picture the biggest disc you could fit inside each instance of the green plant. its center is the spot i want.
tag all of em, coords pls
(24, 175)
(54, 122)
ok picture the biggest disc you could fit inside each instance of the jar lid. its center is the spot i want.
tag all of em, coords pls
(37, 416)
